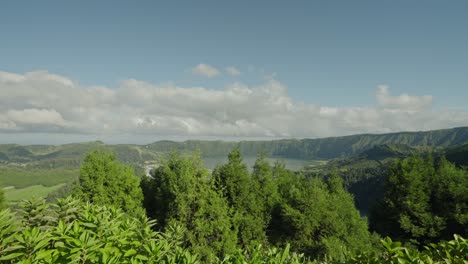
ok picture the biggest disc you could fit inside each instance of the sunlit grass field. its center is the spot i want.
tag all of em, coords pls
(22, 177)
(35, 191)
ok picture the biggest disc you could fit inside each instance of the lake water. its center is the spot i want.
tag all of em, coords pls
(292, 164)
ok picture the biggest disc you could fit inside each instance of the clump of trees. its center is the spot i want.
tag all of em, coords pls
(232, 207)
(426, 200)
(104, 180)
(179, 193)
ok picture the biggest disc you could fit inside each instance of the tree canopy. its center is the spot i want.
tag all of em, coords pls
(270, 205)
(425, 201)
(179, 193)
(106, 181)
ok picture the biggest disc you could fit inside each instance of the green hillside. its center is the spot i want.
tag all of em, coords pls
(70, 155)
(324, 148)
(306, 149)
(364, 174)
(458, 155)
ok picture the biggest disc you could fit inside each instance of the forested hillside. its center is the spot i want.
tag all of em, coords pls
(323, 148)
(38, 170)
(458, 155)
(69, 155)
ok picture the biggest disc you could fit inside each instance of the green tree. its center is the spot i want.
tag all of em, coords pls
(423, 202)
(104, 180)
(242, 194)
(265, 187)
(317, 218)
(407, 200)
(450, 198)
(179, 193)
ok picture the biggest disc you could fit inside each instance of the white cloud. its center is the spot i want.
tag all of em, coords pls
(233, 71)
(403, 101)
(36, 116)
(205, 70)
(39, 102)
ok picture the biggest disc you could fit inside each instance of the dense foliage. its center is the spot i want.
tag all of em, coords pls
(363, 178)
(425, 201)
(104, 180)
(179, 193)
(236, 215)
(318, 218)
(235, 208)
(72, 231)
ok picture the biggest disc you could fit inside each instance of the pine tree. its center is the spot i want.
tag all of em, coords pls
(407, 211)
(450, 198)
(265, 186)
(236, 184)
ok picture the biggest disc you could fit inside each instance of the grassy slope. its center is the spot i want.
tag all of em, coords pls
(34, 191)
(22, 177)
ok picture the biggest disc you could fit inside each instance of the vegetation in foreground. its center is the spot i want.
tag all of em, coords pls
(72, 231)
(235, 216)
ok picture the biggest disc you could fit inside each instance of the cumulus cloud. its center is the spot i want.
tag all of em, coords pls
(233, 71)
(205, 70)
(36, 116)
(40, 102)
(403, 101)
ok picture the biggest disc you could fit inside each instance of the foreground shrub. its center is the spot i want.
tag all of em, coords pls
(449, 252)
(75, 232)
(72, 231)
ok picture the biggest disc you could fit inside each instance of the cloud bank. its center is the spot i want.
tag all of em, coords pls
(40, 102)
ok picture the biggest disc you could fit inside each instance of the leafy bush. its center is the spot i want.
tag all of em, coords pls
(449, 252)
(75, 232)
(72, 231)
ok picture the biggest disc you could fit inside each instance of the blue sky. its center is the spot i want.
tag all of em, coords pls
(328, 53)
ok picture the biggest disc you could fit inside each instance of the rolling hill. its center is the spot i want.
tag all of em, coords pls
(323, 148)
